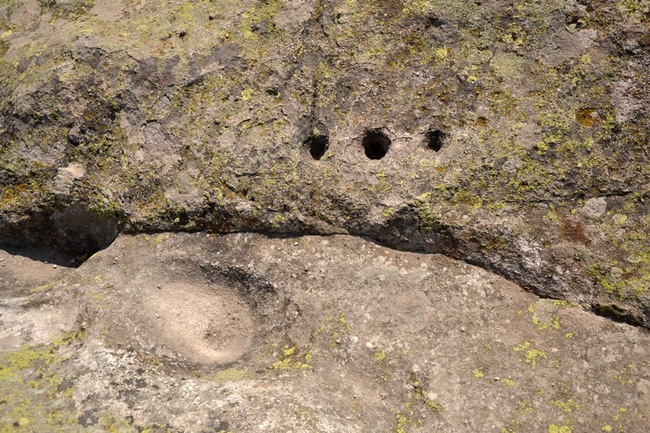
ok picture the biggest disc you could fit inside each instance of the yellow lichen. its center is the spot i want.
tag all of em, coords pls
(532, 355)
(247, 94)
(567, 406)
(559, 429)
(524, 408)
(30, 382)
(230, 374)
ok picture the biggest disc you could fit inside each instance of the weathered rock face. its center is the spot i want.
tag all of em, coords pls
(512, 135)
(245, 333)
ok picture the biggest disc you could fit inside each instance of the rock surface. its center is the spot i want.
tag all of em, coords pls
(246, 333)
(508, 135)
(512, 135)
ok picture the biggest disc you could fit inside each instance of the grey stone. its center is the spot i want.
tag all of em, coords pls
(595, 207)
(66, 176)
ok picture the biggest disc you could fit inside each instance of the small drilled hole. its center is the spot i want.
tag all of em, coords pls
(318, 145)
(435, 139)
(434, 21)
(376, 144)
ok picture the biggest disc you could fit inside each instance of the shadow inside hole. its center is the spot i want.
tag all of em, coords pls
(435, 139)
(375, 144)
(318, 145)
(434, 21)
(44, 254)
(65, 237)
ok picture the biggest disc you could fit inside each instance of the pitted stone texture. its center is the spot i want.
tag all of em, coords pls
(337, 334)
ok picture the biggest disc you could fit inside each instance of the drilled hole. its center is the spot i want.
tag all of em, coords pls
(574, 22)
(435, 139)
(375, 144)
(434, 21)
(318, 145)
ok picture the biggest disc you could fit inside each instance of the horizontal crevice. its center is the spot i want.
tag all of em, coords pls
(617, 314)
(65, 237)
(72, 236)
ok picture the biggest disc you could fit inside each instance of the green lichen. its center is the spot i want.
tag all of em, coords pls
(411, 415)
(422, 396)
(33, 391)
(334, 329)
(69, 9)
(524, 408)
(635, 9)
(567, 406)
(406, 419)
(292, 359)
(545, 315)
(532, 355)
(553, 428)
(628, 278)
(230, 374)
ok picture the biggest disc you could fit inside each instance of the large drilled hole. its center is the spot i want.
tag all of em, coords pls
(435, 139)
(375, 144)
(318, 145)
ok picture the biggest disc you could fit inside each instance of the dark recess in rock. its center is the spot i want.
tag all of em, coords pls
(435, 139)
(70, 232)
(617, 314)
(76, 136)
(318, 145)
(223, 426)
(434, 21)
(88, 418)
(574, 22)
(375, 144)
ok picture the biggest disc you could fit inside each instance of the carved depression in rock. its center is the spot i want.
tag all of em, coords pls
(205, 323)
